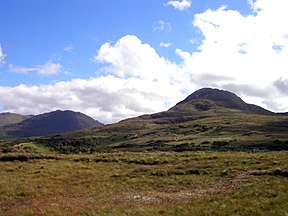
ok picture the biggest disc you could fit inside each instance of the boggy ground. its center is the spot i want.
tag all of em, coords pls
(147, 183)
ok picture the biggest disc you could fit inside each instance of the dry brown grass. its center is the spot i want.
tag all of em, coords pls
(130, 184)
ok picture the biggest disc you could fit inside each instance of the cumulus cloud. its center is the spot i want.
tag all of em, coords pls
(179, 5)
(129, 57)
(251, 46)
(2, 56)
(49, 68)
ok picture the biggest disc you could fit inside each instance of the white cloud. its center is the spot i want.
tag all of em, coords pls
(162, 44)
(49, 68)
(180, 5)
(129, 57)
(162, 26)
(2, 56)
(19, 69)
(195, 41)
(69, 49)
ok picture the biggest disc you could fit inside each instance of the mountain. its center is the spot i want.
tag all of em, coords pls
(11, 118)
(223, 99)
(56, 122)
(208, 119)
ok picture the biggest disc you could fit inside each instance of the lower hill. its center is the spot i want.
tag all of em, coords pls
(209, 119)
(56, 122)
(11, 118)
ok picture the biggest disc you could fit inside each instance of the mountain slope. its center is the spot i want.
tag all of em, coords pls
(50, 123)
(204, 121)
(11, 118)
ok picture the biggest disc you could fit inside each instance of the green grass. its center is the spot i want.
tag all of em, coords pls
(24, 146)
(146, 183)
(31, 147)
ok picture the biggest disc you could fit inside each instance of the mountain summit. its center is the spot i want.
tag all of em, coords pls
(221, 98)
(229, 99)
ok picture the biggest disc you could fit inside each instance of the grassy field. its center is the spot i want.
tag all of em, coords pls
(147, 183)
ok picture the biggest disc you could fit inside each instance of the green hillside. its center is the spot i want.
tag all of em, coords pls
(196, 124)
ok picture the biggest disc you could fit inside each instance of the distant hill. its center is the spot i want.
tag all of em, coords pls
(208, 119)
(56, 122)
(11, 118)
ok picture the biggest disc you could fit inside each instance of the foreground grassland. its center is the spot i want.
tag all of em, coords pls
(149, 183)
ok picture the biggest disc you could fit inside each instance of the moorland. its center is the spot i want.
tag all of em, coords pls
(210, 154)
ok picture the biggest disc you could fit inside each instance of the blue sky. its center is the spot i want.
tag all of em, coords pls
(125, 58)
(34, 32)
